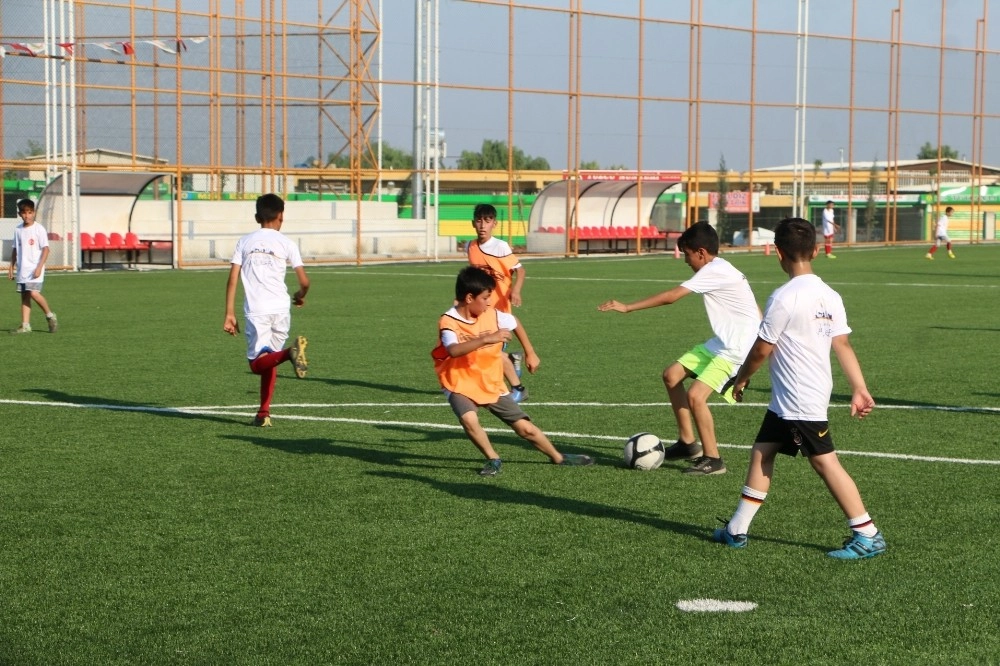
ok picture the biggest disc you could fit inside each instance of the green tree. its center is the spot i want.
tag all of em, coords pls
(930, 152)
(592, 165)
(493, 157)
(34, 148)
(392, 158)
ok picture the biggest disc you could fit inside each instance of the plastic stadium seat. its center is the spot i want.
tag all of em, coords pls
(134, 246)
(53, 236)
(558, 230)
(116, 241)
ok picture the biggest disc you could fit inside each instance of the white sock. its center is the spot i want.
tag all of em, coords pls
(863, 525)
(51, 315)
(746, 509)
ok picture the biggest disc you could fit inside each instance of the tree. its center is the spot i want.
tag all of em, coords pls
(929, 152)
(493, 157)
(871, 210)
(592, 165)
(34, 148)
(392, 158)
(817, 165)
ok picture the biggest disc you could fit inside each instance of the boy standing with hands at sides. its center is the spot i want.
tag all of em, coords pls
(495, 255)
(830, 227)
(803, 319)
(27, 265)
(259, 260)
(468, 361)
(734, 317)
(941, 234)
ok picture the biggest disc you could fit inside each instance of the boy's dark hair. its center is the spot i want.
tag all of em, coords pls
(269, 207)
(484, 210)
(795, 238)
(829, 201)
(700, 236)
(949, 210)
(25, 203)
(473, 280)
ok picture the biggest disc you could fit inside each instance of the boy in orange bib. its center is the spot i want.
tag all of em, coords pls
(468, 361)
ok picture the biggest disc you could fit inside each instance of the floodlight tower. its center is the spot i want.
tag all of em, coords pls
(425, 99)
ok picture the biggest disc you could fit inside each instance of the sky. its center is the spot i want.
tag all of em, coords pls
(474, 74)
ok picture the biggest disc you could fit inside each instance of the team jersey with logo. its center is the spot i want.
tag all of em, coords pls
(732, 310)
(29, 243)
(262, 257)
(477, 375)
(801, 319)
(496, 255)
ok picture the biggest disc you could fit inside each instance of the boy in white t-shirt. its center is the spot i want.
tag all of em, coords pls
(941, 234)
(259, 260)
(734, 317)
(830, 228)
(803, 319)
(28, 254)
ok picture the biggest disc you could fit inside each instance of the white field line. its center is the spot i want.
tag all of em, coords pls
(248, 411)
(550, 278)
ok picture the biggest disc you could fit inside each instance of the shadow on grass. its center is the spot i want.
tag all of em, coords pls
(94, 402)
(491, 492)
(880, 400)
(358, 383)
(486, 491)
(965, 328)
(361, 452)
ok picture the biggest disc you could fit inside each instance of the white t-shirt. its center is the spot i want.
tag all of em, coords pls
(801, 319)
(29, 243)
(941, 231)
(731, 307)
(263, 256)
(507, 321)
(828, 222)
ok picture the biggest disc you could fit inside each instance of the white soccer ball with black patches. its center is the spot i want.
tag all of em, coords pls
(644, 451)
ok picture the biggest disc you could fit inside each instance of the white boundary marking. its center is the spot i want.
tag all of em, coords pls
(715, 606)
(249, 410)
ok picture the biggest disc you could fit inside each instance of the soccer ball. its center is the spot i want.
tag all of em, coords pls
(644, 451)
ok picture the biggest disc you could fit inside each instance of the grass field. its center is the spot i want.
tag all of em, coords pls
(143, 521)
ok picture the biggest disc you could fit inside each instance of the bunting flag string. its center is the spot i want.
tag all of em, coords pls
(172, 47)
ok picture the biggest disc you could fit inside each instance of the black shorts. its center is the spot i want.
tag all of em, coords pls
(811, 438)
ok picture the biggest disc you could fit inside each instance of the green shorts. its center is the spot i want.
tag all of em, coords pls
(712, 370)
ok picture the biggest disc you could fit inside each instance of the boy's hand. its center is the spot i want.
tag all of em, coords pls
(738, 388)
(298, 299)
(612, 305)
(531, 362)
(862, 404)
(515, 300)
(231, 326)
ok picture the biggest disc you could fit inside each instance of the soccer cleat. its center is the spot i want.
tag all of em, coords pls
(53, 324)
(260, 421)
(493, 467)
(519, 395)
(297, 353)
(23, 328)
(722, 535)
(576, 460)
(859, 547)
(929, 256)
(831, 256)
(679, 450)
(705, 466)
(517, 359)
(951, 255)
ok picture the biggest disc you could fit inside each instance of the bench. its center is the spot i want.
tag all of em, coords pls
(127, 249)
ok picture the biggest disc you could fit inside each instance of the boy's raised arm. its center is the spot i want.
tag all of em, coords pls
(656, 300)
